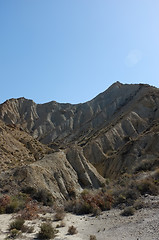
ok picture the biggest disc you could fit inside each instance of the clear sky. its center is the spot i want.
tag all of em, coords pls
(71, 50)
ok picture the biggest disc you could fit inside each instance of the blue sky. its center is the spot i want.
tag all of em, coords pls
(71, 50)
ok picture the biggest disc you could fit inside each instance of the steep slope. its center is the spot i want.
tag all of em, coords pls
(109, 131)
(130, 128)
(55, 122)
(136, 153)
(53, 173)
(25, 162)
(18, 148)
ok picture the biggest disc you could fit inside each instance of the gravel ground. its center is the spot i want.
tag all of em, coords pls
(110, 225)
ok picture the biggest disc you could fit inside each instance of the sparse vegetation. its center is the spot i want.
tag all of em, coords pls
(138, 204)
(5, 200)
(17, 224)
(147, 186)
(90, 202)
(27, 229)
(60, 214)
(72, 230)
(30, 211)
(156, 174)
(92, 237)
(128, 211)
(46, 231)
(127, 191)
(44, 196)
(41, 195)
(12, 204)
(126, 195)
(147, 165)
(14, 233)
(62, 224)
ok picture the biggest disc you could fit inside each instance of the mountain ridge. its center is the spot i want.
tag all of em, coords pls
(60, 111)
(109, 133)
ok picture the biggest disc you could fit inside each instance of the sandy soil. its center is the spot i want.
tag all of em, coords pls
(110, 225)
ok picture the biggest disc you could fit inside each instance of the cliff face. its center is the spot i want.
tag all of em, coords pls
(113, 132)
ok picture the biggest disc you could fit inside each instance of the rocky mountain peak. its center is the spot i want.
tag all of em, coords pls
(117, 84)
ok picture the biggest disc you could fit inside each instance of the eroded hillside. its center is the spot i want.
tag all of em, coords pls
(18, 148)
(113, 133)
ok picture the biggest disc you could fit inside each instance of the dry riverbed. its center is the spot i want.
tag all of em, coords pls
(110, 225)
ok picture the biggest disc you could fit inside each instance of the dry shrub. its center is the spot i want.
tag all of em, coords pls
(30, 211)
(12, 207)
(70, 205)
(128, 211)
(81, 207)
(72, 230)
(62, 224)
(17, 202)
(4, 203)
(60, 214)
(29, 190)
(147, 165)
(42, 195)
(17, 224)
(92, 237)
(156, 174)
(90, 202)
(27, 229)
(125, 196)
(95, 210)
(147, 186)
(72, 193)
(11, 204)
(97, 201)
(139, 204)
(14, 233)
(46, 231)
(45, 197)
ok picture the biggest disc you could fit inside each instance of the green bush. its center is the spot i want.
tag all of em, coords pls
(46, 231)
